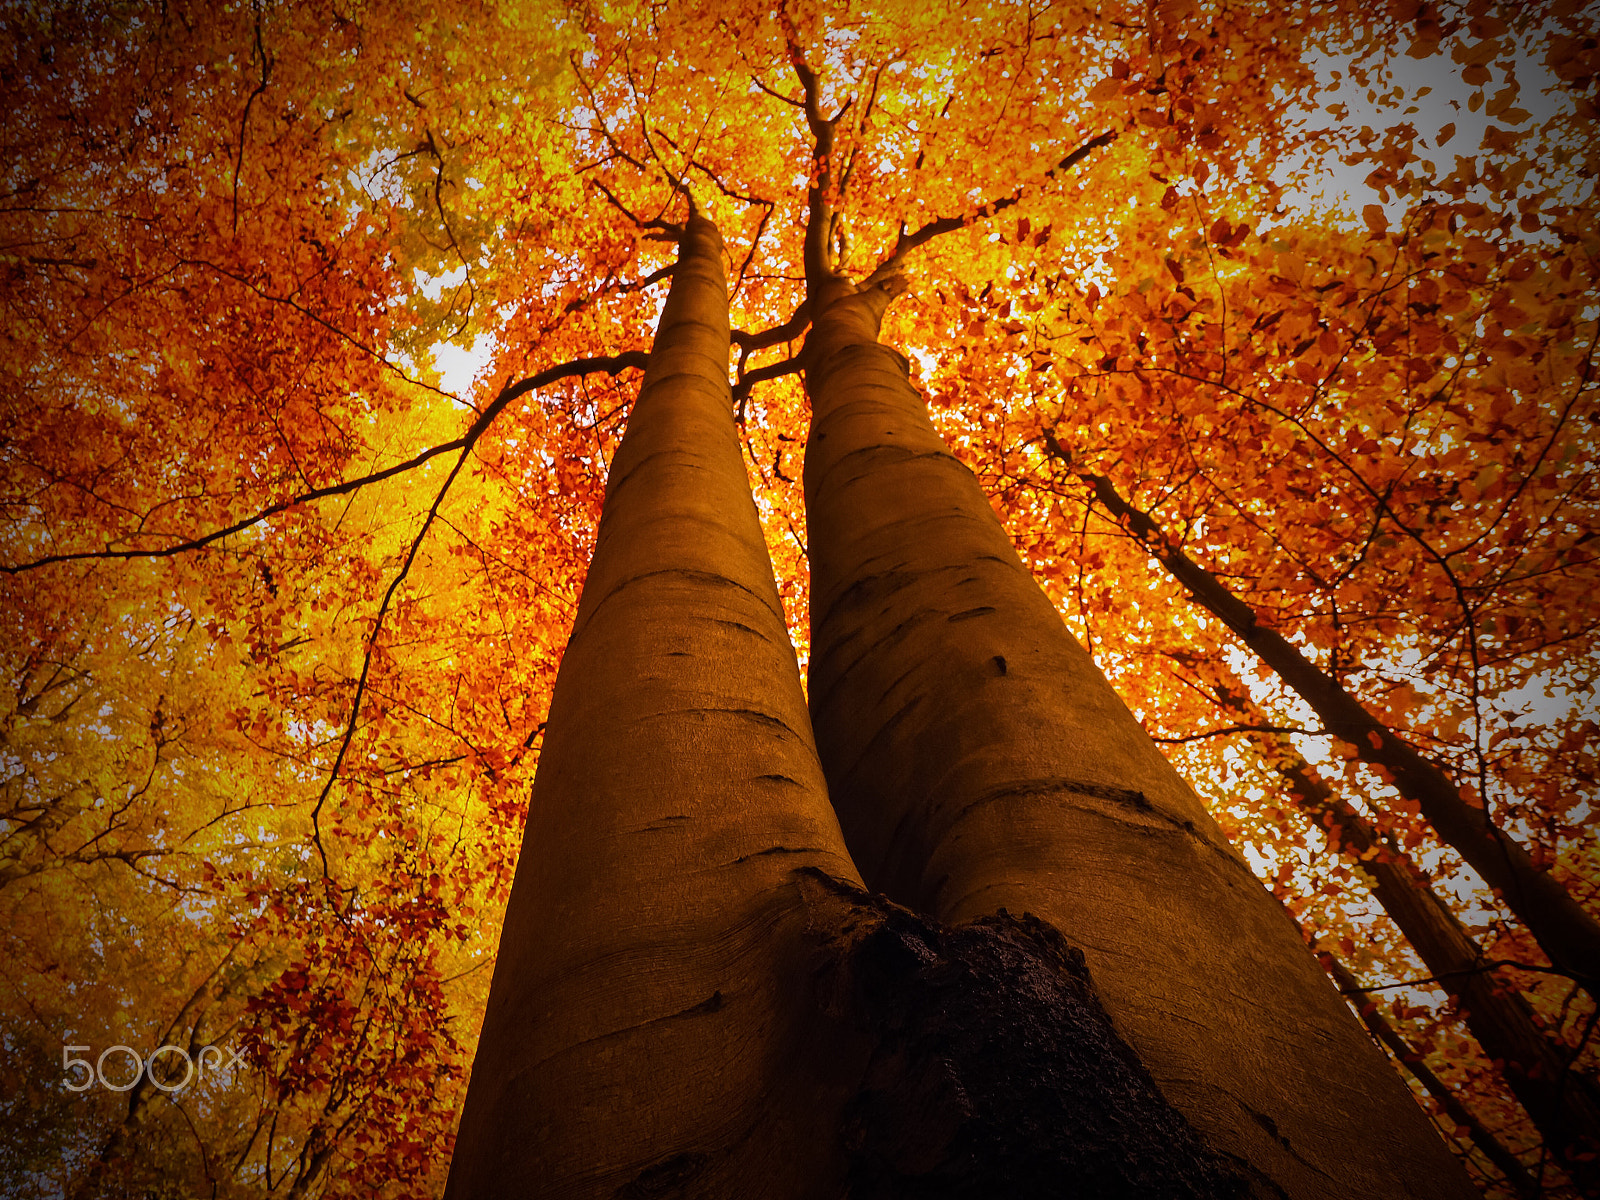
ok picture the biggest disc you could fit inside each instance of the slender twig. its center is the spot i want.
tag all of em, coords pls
(787, 332)
(1482, 968)
(777, 95)
(244, 121)
(669, 227)
(431, 147)
(906, 242)
(366, 657)
(1227, 729)
(777, 370)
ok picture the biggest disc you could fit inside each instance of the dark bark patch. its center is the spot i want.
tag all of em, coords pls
(615, 482)
(1127, 797)
(1118, 795)
(904, 675)
(862, 355)
(894, 720)
(881, 456)
(756, 716)
(779, 850)
(666, 1178)
(862, 591)
(994, 1071)
(711, 1004)
(680, 575)
(1271, 1128)
(981, 610)
(740, 625)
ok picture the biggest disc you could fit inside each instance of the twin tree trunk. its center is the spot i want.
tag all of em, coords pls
(1063, 981)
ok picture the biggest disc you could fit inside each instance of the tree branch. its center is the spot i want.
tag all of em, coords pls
(670, 227)
(1227, 729)
(777, 370)
(787, 332)
(1561, 926)
(633, 358)
(366, 657)
(508, 394)
(1482, 968)
(244, 121)
(906, 242)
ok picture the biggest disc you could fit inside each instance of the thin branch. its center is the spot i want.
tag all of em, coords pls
(787, 332)
(633, 358)
(777, 370)
(777, 95)
(671, 227)
(432, 148)
(366, 657)
(906, 242)
(290, 303)
(510, 393)
(244, 121)
(1482, 968)
(1227, 729)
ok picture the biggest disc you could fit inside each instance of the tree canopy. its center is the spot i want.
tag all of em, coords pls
(322, 321)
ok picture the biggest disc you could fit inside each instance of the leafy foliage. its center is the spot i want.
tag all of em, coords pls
(282, 608)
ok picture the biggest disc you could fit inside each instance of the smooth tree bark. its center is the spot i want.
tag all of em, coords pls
(981, 765)
(694, 994)
(642, 1035)
(1564, 929)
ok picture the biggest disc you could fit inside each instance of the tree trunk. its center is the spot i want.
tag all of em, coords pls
(1493, 1149)
(1560, 1101)
(1563, 929)
(694, 995)
(980, 763)
(646, 1027)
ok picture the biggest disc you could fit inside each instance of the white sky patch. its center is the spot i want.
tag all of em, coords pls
(433, 286)
(460, 368)
(1549, 699)
(1436, 99)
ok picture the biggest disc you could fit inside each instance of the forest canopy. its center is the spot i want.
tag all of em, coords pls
(1269, 331)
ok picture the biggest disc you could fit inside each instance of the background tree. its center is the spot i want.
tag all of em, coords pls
(283, 603)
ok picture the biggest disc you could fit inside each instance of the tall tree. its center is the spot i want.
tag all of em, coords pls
(693, 993)
(285, 590)
(979, 762)
(637, 1035)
